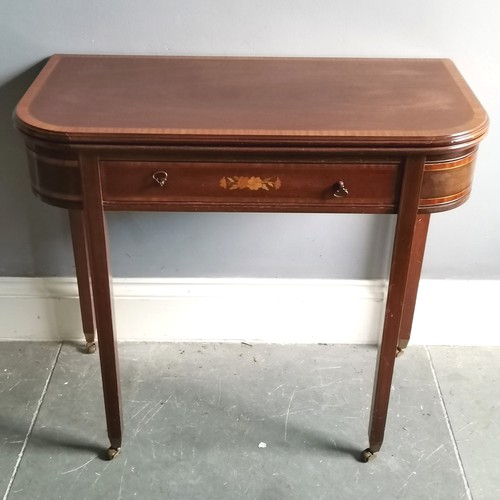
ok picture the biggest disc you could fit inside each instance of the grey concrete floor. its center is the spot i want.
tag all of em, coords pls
(231, 421)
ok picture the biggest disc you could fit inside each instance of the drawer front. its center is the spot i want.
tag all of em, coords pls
(257, 186)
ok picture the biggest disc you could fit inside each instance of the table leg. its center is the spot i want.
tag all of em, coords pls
(95, 229)
(410, 295)
(398, 282)
(83, 277)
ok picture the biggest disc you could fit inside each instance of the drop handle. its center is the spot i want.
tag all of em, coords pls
(339, 190)
(160, 177)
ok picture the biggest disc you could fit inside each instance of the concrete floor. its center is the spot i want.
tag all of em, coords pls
(231, 421)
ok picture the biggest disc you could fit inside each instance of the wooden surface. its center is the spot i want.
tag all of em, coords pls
(366, 101)
(404, 244)
(77, 225)
(239, 134)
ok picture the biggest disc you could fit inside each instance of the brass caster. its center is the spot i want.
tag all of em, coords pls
(399, 352)
(112, 452)
(366, 456)
(90, 346)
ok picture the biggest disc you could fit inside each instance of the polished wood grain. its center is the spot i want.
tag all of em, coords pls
(230, 186)
(446, 182)
(398, 284)
(96, 235)
(55, 176)
(319, 135)
(414, 270)
(339, 101)
(79, 239)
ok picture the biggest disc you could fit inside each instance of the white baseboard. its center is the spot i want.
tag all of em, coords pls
(449, 312)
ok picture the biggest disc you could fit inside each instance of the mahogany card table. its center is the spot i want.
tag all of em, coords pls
(373, 136)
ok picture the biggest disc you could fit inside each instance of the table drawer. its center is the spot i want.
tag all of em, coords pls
(326, 187)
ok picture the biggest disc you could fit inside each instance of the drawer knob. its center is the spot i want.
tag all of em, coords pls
(339, 190)
(160, 177)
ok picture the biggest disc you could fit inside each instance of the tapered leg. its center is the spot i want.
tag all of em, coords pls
(410, 296)
(398, 281)
(95, 228)
(83, 276)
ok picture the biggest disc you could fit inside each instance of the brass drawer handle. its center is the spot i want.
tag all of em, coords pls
(339, 190)
(160, 177)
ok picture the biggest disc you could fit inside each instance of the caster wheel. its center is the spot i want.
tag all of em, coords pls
(90, 347)
(112, 453)
(366, 455)
(399, 352)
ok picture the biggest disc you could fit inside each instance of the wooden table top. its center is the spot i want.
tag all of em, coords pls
(365, 102)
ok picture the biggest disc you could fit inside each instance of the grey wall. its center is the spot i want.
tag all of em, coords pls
(34, 239)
